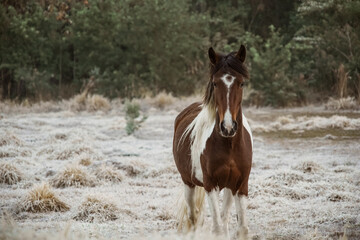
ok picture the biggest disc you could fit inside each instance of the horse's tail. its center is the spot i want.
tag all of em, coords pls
(184, 223)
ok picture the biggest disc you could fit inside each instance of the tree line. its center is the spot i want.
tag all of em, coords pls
(296, 49)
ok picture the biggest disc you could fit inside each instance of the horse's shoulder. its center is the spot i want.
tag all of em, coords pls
(189, 112)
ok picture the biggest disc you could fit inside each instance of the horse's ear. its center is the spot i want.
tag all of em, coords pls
(241, 54)
(213, 56)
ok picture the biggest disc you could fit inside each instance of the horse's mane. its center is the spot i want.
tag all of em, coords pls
(226, 62)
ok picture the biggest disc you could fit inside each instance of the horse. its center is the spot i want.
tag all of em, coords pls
(212, 145)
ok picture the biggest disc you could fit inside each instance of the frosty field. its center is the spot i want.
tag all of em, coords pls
(101, 183)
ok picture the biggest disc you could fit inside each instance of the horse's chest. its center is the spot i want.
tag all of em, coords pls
(222, 170)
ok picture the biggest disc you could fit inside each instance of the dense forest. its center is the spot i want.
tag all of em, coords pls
(298, 51)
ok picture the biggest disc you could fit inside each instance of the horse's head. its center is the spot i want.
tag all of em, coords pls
(225, 88)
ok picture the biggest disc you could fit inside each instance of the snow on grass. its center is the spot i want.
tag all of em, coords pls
(293, 123)
(298, 188)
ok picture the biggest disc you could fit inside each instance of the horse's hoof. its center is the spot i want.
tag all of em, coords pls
(243, 233)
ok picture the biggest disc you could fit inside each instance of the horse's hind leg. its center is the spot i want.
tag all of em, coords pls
(190, 203)
(227, 202)
(241, 205)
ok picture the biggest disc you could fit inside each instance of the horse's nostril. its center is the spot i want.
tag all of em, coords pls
(222, 126)
(235, 125)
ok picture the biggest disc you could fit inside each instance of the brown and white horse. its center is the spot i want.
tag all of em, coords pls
(212, 144)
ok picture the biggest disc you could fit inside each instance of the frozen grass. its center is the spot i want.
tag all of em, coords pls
(108, 173)
(9, 174)
(42, 199)
(10, 139)
(98, 210)
(298, 188)
(348, 103)
(73, 176)
(66, 151)
(306, 123)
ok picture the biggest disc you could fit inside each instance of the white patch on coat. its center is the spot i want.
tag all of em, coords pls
(248, 129)
(228, 81)
(227, 202)
(201, 129)
(241, 205)
(213, 199)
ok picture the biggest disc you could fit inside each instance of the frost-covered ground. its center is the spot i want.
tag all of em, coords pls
(304, 184)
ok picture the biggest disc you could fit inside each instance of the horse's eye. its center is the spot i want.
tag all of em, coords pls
(214, 84)
(242, 84)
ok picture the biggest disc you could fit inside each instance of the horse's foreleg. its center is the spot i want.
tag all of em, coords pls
(227, 202)
(213, 199)
(241, 205)
(190, 203)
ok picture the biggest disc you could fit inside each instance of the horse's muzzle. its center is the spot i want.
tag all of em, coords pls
(228, 131)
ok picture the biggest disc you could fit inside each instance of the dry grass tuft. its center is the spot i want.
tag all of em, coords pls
(309, 167)
(9, 174)
(348, 103)
(73, 176)
(60, 136)
(132, 169)
(72, 151)
(42, 199)
(95, 209)
(97, 102)
(7, 154)
(108, 173)
(82, 102)
(85, 161)
(163, 99)
(10, 139)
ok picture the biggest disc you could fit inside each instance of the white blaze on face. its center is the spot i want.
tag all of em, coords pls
(228, 81)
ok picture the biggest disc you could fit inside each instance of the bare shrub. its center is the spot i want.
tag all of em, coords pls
(108, 173)
(163, 99)
(97, 209)
(9, 174)
(42, 199)
(348, 103)
(73, 176)
(341, 81)
(85, 101)
(97, 102)
(78, 102)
